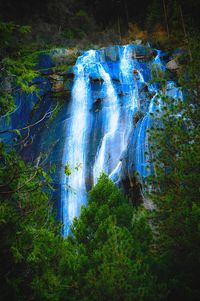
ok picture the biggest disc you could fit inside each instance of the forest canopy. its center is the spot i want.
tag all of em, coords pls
(61, 12)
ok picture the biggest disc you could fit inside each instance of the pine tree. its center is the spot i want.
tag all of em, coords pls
(112, 242)
(176, 145)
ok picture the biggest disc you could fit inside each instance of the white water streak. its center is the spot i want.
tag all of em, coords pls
(111, 119)
(75, 190)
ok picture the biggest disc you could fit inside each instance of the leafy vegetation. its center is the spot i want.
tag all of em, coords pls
(16, 64)
(175, 145)
(112, 241)
(31, 245)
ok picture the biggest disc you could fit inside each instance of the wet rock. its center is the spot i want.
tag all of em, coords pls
(143, 53)
(138, 42)
(67, 93)
(117, 80)
(152, 54)
(45, 63)
(152, 94)
(7, 83)
(138, 56)
(97, 105)
(137, 116)
(60, 95)
(96, 80)
(62, 55)
(68, 75)
(122, 93)
(57, 82)
(144, 88)
(136, 74)
(133, 190)
(172, 65)
(110, 54)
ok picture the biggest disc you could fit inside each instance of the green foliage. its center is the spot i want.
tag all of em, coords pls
(158, 75)
(17, 62)
(30, 245)
(111, 242)
(154, 14)
(68, 170)
(68, 34)
(175, 145)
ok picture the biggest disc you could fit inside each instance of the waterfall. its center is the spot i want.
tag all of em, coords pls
(116, 125)
(107, 94)
(74, 193)
(101, 127)
(126, 68)
(116, 133)
(111, 119)
(142, 165)
(126, 65)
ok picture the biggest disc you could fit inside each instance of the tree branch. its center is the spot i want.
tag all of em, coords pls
(46, 115)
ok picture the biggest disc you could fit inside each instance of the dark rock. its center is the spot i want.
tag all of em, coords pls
(58, 95)
(152, 94)
(68, 75)
(122, 93)
(138, 57)
(172, 65)
(133, 190)
(96, 80)
(97, 105)
(153, 54)
(136, 74)
(143, 54)
(137, 116)
(57, 82)
(110, 54)
(144, 88)
(117, 80)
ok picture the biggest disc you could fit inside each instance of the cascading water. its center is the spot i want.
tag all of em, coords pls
(74, 192)
(127, 110)
(111, 118)
(142, 165)
(103, 127)
(117, 128)
(128, 84)
(116, 124)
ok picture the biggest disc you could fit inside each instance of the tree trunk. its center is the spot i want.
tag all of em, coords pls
(119, 29)
(166, 22)
(126, 12)
(185, 34)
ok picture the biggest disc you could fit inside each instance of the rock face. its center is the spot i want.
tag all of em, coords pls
(99, 127)
(172, 65)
